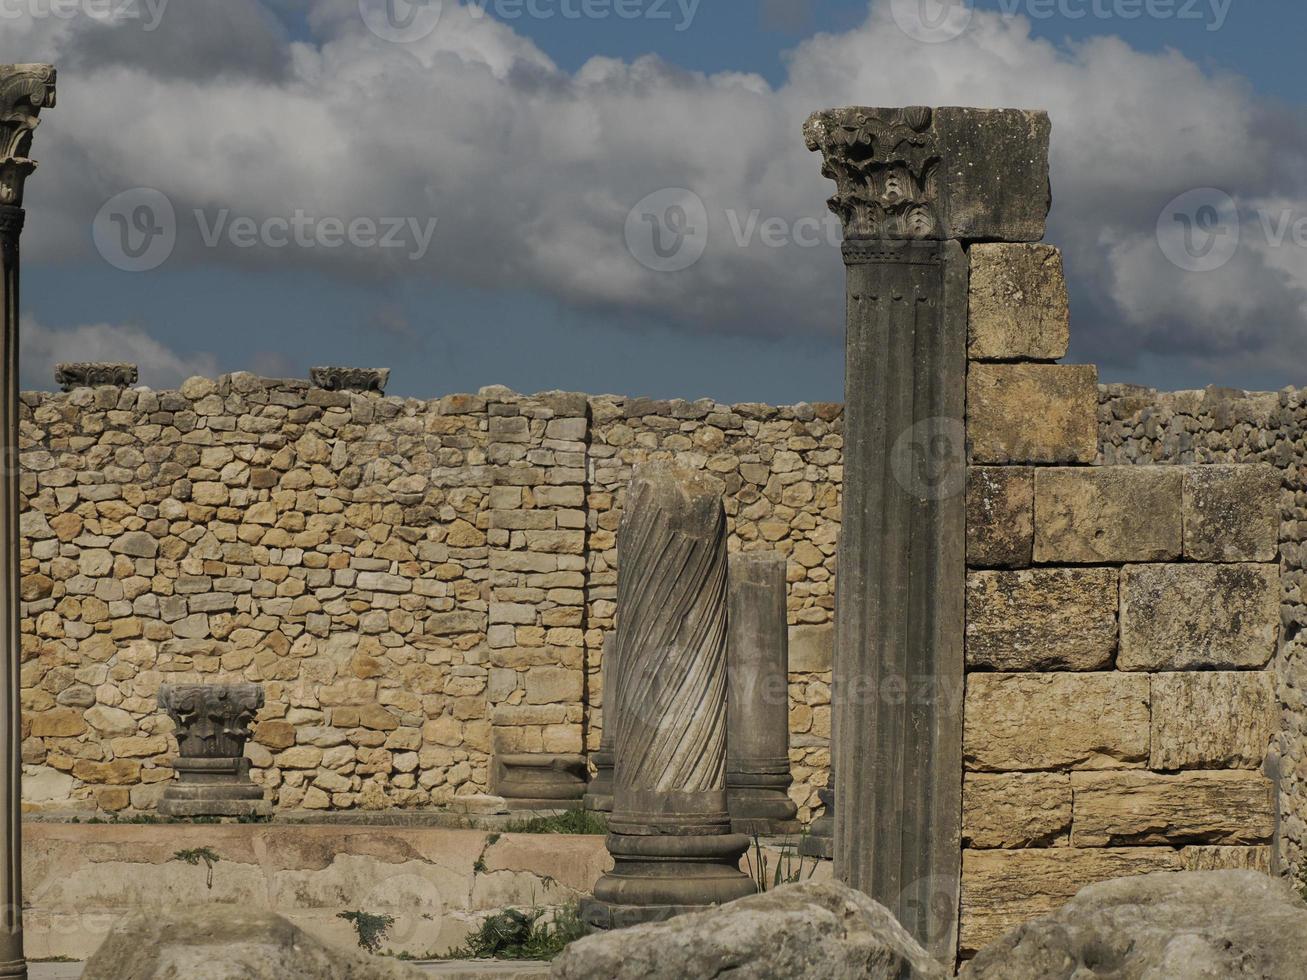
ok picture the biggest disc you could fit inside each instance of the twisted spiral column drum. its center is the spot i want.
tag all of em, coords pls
(671, 840)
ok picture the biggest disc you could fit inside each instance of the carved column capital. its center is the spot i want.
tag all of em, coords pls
(922, 173)
(88, 374)
(24, 91)
(350, 379)
(213, 720)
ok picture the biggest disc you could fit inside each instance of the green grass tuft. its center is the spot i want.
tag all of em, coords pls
(569, 822)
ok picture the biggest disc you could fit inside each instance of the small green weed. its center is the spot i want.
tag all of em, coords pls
(568, 822)
(371, 929)
(200, 854)
(514, 934)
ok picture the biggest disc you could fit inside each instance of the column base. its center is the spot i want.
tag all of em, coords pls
(657, 877)
(533, 778)
(13, 970)
(598, 802)
(599, 791)
(213, 808)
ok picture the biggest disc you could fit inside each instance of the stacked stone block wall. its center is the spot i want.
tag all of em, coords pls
(1225, 426)
(418, 584)
(1122, 627)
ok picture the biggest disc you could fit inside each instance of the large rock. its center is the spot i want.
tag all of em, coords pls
(1192, 925)
(822, 931)
(227, 942)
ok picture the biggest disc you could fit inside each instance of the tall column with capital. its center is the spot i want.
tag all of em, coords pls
(914, 186)
(24, 91)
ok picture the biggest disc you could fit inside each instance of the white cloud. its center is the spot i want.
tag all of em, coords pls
(160, 367)
(532, 170)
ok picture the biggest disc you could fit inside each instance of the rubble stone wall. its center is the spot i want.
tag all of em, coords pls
(416, 583)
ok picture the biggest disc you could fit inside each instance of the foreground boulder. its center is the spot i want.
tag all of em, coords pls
(227, 942)
(812, 931)
(1214, 925)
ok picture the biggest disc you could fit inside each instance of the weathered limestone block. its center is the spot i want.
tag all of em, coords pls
(1042, 619)
(932, 155)
(1000, 516)
(1225, 925)
(1107, 514)
(1016, 809)
(1019, 310)
(1213, 719)
(1003, 889)
(1232, 513)
(1115, 809)
(811, 648)
(1218, 858)
(1024, 722)
(215, 940)
(809, 931)
(1199, 617)
(1032, 413)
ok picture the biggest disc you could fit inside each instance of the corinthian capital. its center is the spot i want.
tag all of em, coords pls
(24, 91)
(920, 173)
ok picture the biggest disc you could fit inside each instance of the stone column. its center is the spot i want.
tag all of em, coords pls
(213, 724)
(670, 833)
(24, 91)
(912, 187)
(758, 714)
(599, 794)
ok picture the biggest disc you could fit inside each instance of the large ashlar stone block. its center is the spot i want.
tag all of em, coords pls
(1003, 889)
(1132, 808)
(1107, 514)
(1000, 516)
(1019, 309)
(1032, 413)
(1042, 619)
(1032, 722)
(1232, 513)
(1199, 617)
(1016, 809)
(1213, 719)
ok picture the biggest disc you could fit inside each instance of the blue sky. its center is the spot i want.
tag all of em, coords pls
(527, 141)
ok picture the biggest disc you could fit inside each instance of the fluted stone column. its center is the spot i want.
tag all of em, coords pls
(24, 91)
(758, 715)
(913, 186)
(670, 833)
(599, 794)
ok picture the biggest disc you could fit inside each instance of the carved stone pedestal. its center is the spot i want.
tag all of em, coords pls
(671, 840)
(213, 775)
(540, 781)
(758, 747)
(599, 794)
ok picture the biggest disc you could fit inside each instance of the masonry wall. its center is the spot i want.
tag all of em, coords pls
(418, 584)
(1123, 623)
(1222, 425)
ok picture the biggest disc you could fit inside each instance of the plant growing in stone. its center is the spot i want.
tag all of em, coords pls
(197, 855)
(786, 871)
(371, 929)
(517, 934)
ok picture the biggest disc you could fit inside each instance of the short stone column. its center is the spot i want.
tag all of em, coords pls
(213, 724)
(24, 91)
(758, 715)
(819, 841)
(599, 794)
(671, 838)
(913, 186)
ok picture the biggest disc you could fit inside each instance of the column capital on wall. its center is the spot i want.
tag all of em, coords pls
(24, 91)
(918, 173)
